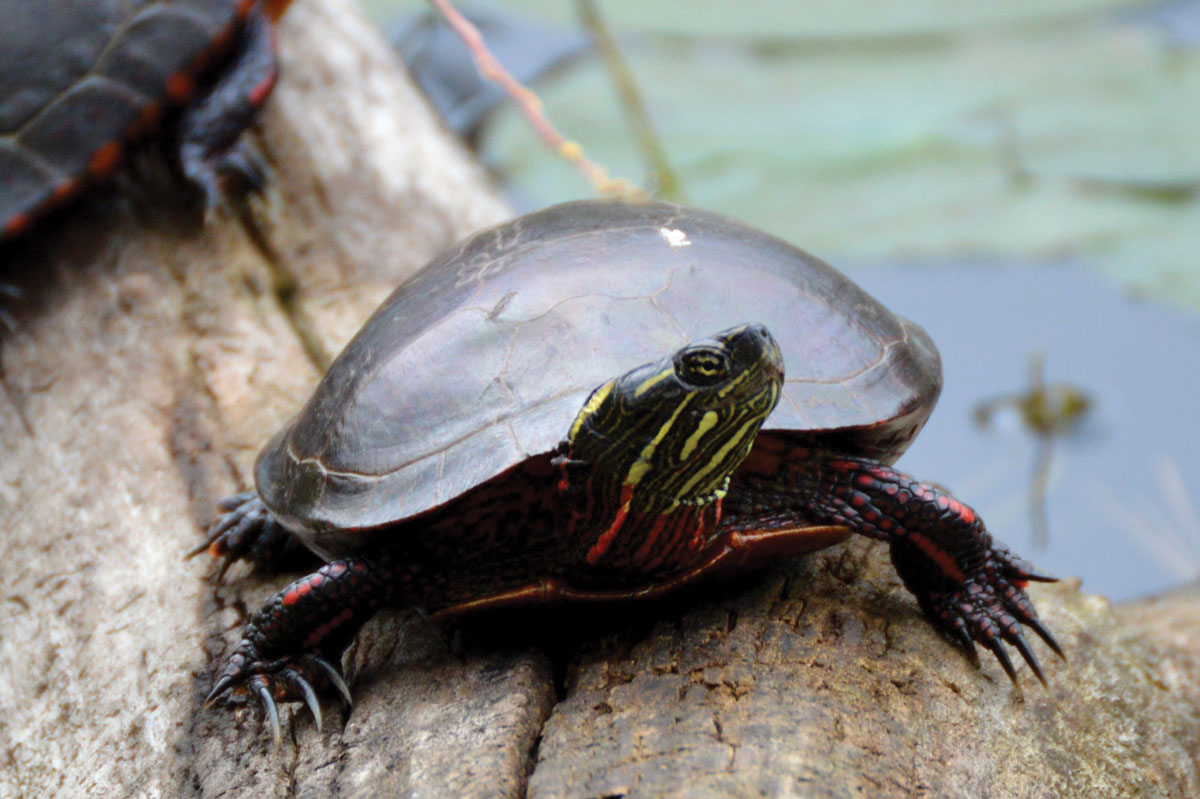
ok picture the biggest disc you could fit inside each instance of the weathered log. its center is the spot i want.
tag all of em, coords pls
(154, 356)
(820, 680)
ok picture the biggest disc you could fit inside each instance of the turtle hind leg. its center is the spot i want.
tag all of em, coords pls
(211, 153)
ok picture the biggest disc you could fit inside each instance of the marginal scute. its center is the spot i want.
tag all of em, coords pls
(484, 358)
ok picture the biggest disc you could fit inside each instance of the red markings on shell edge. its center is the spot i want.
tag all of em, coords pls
(147, 121)
(64, 190)
(337, 569)
(217, 46)
(865, 480)
(105, 160)
(180, 87)
(16, 224)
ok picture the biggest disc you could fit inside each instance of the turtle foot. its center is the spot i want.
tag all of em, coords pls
(295, 640)
(245, 530)
(286, 679)
(990, 608)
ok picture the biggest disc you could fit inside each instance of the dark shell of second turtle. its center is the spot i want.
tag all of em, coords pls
(77, 79)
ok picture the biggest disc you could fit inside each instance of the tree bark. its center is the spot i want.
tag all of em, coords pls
(156, 354)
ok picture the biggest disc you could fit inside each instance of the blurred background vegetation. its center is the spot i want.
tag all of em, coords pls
(1022, 178)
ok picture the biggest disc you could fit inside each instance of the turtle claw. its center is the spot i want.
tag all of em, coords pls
(990, 608)
(223, 685)
(1002, 656)
(1040, 578)
(1022, 646)
(310, 696)
(958, 631)
(259, 685)
(334, 676)
(235, 501)
(1036, 625)
(272, 681)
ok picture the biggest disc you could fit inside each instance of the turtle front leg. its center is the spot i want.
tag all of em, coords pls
(298, 637)
(246, 530)
(970, 587)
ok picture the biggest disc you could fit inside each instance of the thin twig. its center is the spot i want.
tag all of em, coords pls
(653, 153)
(529, 104)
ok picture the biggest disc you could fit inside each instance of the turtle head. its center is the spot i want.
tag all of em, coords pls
(667, 435)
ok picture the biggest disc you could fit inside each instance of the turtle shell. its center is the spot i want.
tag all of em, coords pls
(483, 358)
(79, 78)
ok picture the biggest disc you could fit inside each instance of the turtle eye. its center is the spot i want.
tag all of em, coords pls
(703, 366)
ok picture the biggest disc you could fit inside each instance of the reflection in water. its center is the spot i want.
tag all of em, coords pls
(1048, 411)
(1122, 520)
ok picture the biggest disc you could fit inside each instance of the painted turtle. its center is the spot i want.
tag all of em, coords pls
(471, 447)
(78, 80)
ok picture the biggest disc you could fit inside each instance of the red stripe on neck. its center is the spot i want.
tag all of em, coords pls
(606, 538)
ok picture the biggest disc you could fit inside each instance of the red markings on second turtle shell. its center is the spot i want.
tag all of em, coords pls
(180, 87)
(105, 160)
(15, 225)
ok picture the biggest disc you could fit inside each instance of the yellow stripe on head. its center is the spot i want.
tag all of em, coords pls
(706, 423)
(642, 465)
(651, 382)
(741, 438)
(589, 407)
